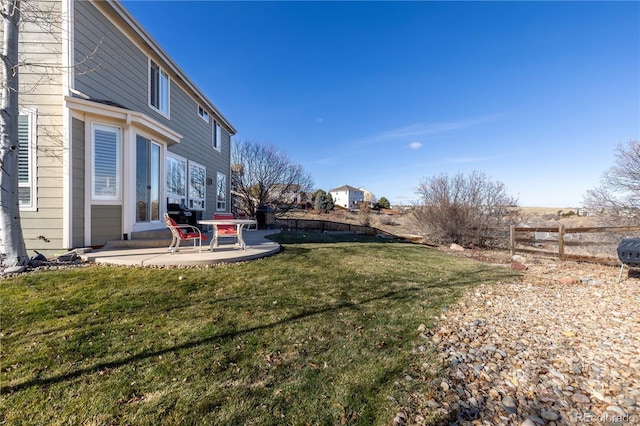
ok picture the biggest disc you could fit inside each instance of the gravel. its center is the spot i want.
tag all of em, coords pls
(560, 347)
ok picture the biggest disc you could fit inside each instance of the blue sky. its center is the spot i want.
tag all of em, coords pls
(381, 95)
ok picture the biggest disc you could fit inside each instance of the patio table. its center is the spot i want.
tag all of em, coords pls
(239, 224)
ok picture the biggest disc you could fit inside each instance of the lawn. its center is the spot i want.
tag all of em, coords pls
(323, 333)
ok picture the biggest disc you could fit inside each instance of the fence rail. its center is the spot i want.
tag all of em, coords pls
(329, 226)
(605, 248)
(562, 241)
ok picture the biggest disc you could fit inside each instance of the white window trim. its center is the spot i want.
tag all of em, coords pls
(216, 136)
(103, 199)
(224, 207)
(202, 113)
(189, 197)
(186, 177)
(32, 158)
(166, 114)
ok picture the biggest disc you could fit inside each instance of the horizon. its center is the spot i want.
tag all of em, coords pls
(381, 95)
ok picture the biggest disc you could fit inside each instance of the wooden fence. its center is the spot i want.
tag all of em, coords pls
(521, 239)
(532, 243)
(329, 226)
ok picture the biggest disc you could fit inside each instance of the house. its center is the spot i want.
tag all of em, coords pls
(368, 196)
(285, 195)
(347, 196)
(112, 133)
(583, 212)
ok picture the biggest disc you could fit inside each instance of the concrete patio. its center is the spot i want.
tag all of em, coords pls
(154, 252)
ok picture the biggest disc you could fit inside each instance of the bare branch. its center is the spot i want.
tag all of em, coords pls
(265, 176)
(616, 200)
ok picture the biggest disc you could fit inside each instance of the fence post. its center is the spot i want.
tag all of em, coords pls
(561, 242)
(512, 239)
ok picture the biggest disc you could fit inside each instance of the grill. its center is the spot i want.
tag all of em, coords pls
(181, 214)
(629, 254)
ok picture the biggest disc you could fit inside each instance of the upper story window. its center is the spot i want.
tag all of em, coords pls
(158, 88)
(27, 160)
(217, 136)
(203, 114)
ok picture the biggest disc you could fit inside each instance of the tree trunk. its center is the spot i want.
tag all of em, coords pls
(13, 251)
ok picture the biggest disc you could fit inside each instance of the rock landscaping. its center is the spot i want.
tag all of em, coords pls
(562, 347)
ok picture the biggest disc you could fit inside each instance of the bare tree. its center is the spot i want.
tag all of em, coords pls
(461, 209)
(14, 252)
(265, 176)
(29, 16)
(617, 199)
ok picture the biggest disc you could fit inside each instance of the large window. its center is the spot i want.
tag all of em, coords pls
(221, 196)
(147, 180)
(176, 179)
(105, 169)
(158, 88)
(197, 189)
(217, 136)
(26, 161)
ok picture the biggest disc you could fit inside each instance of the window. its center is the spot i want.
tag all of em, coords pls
(217, 136)
(158, 88)
(203, 114)
(197, 178)
(147, 180)
(26, 161)
(221, 197)
(176, 179)
(105, 172)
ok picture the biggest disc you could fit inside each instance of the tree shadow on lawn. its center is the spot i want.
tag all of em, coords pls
(403, 294)
(89, 321)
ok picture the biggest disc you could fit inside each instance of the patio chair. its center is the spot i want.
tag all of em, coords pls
(183, 232)
(224, 230)
(243, 215)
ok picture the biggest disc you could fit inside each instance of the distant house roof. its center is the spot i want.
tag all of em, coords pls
(345, 188)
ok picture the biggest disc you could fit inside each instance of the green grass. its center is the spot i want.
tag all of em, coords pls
(323, 333)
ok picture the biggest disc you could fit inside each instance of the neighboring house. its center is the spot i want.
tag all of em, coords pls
(368, 196)
(583, 211)
(285, 195)
(112, 132)
(347, 196)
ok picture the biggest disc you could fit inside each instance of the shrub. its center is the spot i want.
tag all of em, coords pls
(364, 213)
(385, 219)
(462, 209)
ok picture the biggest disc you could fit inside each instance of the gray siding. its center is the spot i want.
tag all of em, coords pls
(106, 224)
(119, 73)
(77, 190)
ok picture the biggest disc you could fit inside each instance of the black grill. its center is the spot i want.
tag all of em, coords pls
(629, 252)
(181, 214)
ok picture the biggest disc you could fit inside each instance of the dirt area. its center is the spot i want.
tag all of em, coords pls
(401, 223)
(539, 269)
